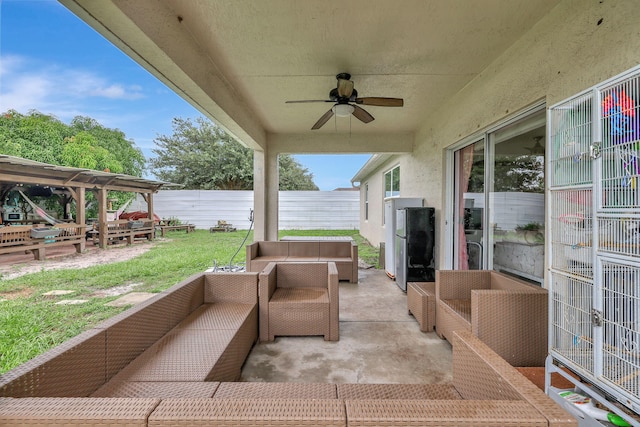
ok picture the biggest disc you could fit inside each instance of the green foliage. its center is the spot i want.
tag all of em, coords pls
(293, 176)
(113, 150)
(531, 226)
(511, 173)
(200, 155)
(34, 136)
(84, 143)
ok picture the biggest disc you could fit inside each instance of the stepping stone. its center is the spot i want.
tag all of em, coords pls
(72, 301)
(132, 298)
(57, 292)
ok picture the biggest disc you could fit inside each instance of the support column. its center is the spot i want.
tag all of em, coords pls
(150, 215)
(265, 195)
(102, 218)
(81, 201)
(81, 215)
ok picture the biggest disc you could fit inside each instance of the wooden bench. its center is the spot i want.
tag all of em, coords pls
(15, 239)
(186, 227)
(124, 229)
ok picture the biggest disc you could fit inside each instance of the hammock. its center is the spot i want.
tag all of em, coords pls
(123, 207)
(40, 212)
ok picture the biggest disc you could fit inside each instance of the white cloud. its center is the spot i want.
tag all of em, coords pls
(26, 84)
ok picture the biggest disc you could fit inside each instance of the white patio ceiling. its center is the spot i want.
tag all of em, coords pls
(239, 61)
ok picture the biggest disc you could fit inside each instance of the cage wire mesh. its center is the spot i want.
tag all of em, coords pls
(571, 332)
(571, 231)
(621, 325)
(571, 136)
(595, 231)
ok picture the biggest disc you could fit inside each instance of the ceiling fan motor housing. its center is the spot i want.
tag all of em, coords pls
(334, 96)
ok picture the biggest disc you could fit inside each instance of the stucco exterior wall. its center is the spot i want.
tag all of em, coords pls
(578, 44)
(372, 228)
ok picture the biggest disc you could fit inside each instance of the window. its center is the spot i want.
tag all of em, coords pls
(366, 202)
(392, 182)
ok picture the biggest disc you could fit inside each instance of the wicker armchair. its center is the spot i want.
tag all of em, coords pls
(299, 299)
(507, 314)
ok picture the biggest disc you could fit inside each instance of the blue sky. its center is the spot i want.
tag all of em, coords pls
(53, 62)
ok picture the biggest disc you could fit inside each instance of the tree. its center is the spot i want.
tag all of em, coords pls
(200, 155)
(293, 176)
(84, 143)
(524, 173)
(130, 159)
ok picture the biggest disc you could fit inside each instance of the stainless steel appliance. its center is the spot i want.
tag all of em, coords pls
(391, 205)
(415, 235)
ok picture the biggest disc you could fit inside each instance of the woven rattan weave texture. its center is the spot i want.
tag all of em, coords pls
(421, 302)
(508, 314)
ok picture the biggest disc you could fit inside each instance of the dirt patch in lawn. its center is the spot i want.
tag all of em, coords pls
(75, 261)
(21, 293)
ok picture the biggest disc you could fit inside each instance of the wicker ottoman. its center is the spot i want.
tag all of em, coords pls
(421, 302)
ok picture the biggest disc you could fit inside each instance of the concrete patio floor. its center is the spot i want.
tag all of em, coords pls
(379, 343)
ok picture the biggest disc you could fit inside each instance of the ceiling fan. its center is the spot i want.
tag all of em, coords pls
(346, 102)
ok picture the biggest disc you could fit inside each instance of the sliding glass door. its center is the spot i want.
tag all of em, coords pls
(516, 198)
(498, 203)
(468, 207)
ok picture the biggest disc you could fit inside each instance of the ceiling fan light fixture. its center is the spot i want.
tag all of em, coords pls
(342, 110)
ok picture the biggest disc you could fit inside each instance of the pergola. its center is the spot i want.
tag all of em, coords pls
(15, 171)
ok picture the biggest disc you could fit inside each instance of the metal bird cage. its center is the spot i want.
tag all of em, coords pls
(594, 225)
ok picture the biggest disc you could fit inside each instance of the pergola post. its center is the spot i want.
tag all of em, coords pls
(81, 215)
(102, 218)
(149, 198)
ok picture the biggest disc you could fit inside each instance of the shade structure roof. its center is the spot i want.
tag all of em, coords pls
(17, 170)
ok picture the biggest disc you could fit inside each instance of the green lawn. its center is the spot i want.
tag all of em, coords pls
(31, 323)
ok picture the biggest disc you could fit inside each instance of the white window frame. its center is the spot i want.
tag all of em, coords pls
(390, 172)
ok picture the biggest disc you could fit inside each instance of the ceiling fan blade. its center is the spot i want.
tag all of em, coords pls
(308, 100)
(381, 102)
(345, 88)
(362, 115)
(324, 119)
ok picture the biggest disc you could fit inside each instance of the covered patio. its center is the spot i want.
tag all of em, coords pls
(465, 74)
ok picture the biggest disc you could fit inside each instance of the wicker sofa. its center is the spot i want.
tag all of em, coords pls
(485, 390)
(506, 313)
(201, 329)
(343, 253)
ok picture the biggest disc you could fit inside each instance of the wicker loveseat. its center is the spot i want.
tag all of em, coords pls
(343, 253)
(506, 313)
(485, 391)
